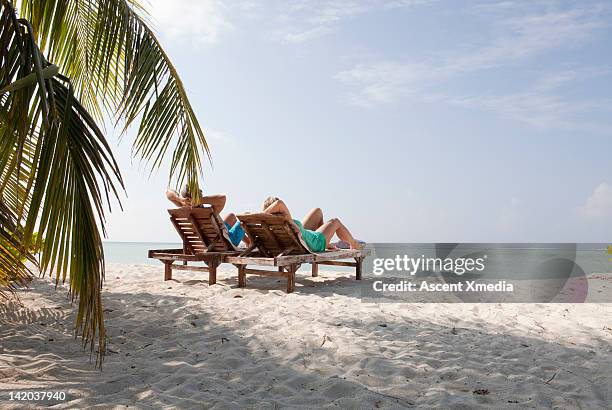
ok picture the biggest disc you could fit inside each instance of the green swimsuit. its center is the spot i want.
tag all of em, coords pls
(315, 240)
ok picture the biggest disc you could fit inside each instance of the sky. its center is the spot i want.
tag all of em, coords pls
(410, 120)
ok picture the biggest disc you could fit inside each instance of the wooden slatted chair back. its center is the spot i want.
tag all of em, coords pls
(273, 235)
(201, 230)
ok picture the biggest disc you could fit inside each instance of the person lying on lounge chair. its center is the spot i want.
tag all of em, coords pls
(217, 202)
(315, 231)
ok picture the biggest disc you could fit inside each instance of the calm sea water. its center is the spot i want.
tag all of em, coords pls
(592, 257)
(134, 252)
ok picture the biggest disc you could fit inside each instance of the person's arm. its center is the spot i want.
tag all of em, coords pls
(278, 207)
(216, 201)
(175, 198)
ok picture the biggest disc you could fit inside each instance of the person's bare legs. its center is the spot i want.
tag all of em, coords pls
(335, 226)
(313, 220)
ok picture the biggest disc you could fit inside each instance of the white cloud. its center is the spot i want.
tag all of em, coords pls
(521, 34)
(543, 111)
(197, 21)
(599, 204)
(306, 35)
(545, 106)
(310, 19)
(392, 4)
(519, 38)
(386, 82)
(564, 77)
(529, 35)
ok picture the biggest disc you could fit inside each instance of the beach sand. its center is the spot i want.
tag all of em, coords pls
(185, 344)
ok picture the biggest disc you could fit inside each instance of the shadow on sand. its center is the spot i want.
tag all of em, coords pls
(165, 352)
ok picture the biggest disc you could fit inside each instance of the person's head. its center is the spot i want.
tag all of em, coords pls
(185, 192)
(269, 201)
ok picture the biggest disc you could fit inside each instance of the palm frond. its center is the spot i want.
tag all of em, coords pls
(13, 257)
(58, 172)
(57, 168)
(116, 63)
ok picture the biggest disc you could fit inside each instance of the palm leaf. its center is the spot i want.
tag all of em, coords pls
(117, 65)
(13, 257)
(58, 171)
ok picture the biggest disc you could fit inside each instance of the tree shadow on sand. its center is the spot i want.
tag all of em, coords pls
(166, 350)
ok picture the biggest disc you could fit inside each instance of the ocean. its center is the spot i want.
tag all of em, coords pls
(592, 257)
(134, 252)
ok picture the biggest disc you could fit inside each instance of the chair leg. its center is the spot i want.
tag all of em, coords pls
(212, 272)
(291, 278)
(167, 270)
(358, 268)
(241, 276)
(315, 270)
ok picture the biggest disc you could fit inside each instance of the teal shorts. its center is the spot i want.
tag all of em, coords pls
(315, 240)
(236, 233)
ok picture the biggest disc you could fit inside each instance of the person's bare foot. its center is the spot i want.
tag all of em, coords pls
(357, 245)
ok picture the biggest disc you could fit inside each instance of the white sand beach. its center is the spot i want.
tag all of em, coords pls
(185, 344)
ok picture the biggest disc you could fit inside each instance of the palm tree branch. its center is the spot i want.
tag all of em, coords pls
(115, 61)
(58, 171)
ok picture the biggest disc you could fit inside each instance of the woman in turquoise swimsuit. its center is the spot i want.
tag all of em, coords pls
(315, 231)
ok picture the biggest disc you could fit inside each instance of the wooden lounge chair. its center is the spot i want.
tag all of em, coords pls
(205, 239)
(278, 242)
